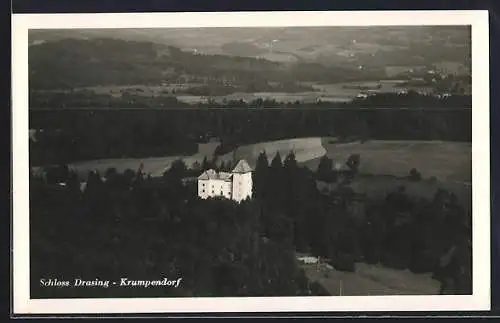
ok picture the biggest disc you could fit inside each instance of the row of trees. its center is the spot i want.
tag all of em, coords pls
(452, 84)
(90, 100)
(251, 87)
(72, 135)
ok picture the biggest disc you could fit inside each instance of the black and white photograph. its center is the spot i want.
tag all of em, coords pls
(176, 163)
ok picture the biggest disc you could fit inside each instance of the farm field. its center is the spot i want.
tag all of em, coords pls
(277, 96)
(155, 166)
(452, 67)
(336, 92)
(137, 89)
(342, 89)
(448, 161)
(372, 280)
(378, 186)
(305, 149)
(384, 164)
(393, 70)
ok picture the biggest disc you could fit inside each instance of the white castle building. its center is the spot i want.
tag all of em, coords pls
(236, 185)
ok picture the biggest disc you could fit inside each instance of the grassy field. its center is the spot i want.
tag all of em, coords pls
(385, 164)
(372, 280)
(340, 90)
(325, 92)
(447, 161)
(394, 70)
(155, 166)
(137, 89)
(305, 149)
(336, 92)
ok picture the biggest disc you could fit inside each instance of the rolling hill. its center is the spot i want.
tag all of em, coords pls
(318, 41)
(73, 63)
(242, 57)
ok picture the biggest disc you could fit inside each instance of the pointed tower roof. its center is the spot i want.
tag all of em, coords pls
(242, 167)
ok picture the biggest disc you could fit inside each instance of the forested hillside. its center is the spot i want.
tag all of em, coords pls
(143, 228)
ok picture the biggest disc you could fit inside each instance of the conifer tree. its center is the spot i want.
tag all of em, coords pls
(261, 174)
(204, 164)
(324, 168)
(276, 164)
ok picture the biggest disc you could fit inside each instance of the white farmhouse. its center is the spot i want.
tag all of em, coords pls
(308, 260)
(236, 185)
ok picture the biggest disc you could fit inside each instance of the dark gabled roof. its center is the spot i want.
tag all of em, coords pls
(208, 174)
(212, 174)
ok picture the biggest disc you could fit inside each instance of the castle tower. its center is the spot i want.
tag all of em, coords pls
(242, 181)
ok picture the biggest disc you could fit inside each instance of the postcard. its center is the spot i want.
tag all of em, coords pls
(250, 162)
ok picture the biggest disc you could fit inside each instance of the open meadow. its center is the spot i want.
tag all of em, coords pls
(305, 149)
(155, 166)
(384, 165)
(447, 161)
